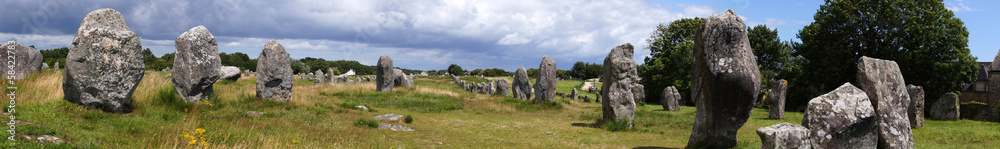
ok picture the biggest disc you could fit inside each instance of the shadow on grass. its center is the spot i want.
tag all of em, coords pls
(652, 147)
(588, 125)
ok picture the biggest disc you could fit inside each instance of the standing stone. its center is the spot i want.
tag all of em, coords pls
(916, 109)
(521, 85)
(545, 85)
(670, 98)
(573, 95)
(640, 94)
(946, 108)
(491, 88)
(196, 64)
(230, 73)
(502, 88)
(784, 135)
(777, 99)
(319, 77)
(384, 74)
(887, 91)
(842, 118)
(246, 72)
(104, 63)
(619, 80)
(724, 81)
(26, 60)
(274, 73)
(330, 77)
(399, 78)
(56, 66)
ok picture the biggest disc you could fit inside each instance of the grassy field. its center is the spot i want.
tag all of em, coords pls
(321, 116)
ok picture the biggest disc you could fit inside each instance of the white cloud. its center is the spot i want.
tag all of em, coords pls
(958, 6)
(513, 39)
(697, 10)
(473, 33)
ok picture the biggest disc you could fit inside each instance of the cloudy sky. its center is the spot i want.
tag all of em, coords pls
(429, 35)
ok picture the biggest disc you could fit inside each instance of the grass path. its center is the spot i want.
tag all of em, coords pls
(320, 116)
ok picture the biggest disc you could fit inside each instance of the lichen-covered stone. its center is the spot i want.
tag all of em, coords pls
(230, 73)
(274, 73)
(104, 64)
(886, 89)
(384, 74)
(916, 108)
(784, 135)
(842, 118)
(620, 77)
(946, 108)
(196, 64)
(670, 98)
(777, 100)
(521, 86)
(26, 60)
(545, 85)
(724, 81)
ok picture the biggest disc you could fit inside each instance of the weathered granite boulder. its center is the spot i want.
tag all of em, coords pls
(670, 97)
(724, 81)
(104, 64)
(274, 73)
(330, 76)
(784, 135)
(916, 108)
(886, 89)
(384, 74)
(842, 118)
(26, 60)
(640, 94)
(946, 108)
(400, 78)
(521, 86)
(196, 64)
(545, 85)
(502, 88)
(230, 73)
(777, 100)
(44, 66)
(574, 95)
(320, 77)
(620, 77)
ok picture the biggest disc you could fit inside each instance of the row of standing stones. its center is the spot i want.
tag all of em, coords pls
(105, 65)
(879, 114)
(724, 83)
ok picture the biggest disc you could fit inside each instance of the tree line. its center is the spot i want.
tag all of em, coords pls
(925, 39)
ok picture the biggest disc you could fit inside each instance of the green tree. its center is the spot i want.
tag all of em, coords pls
(583, 70)
(476, 72)
(455, 70)
(51, 56)
(924, 38)
(770, 52)
(670, 58)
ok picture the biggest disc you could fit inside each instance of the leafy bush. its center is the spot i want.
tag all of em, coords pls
(408, 119)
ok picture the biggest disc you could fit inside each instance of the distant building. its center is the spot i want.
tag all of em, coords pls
(977, 90)
(986, 89)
